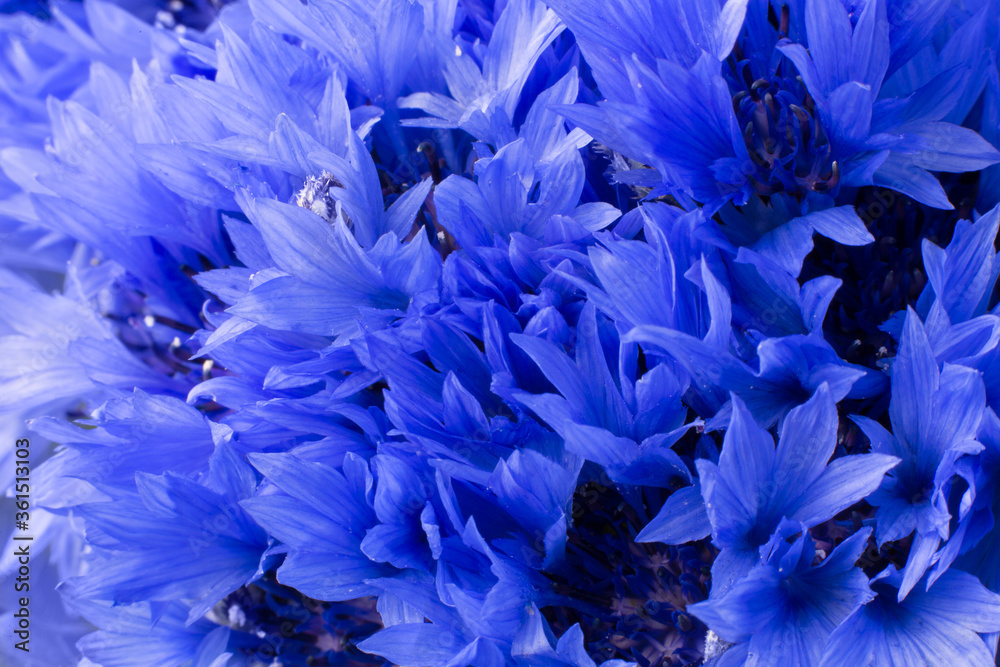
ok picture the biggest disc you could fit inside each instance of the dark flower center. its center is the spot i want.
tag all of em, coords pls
(275, 624)
(630, 599)
(882, 278)
(787, 142)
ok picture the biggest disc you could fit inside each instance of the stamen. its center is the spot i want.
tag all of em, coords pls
(785, 140)
(427, 148)
(315, 196)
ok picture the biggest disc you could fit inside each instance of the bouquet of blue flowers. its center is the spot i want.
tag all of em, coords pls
(500, 333)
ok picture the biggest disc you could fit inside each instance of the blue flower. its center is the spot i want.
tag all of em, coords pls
(697, 147)
(485, 94)
(783, 611)
(137, 634)
(354, 347)
(476, 615)
(754, 486)
(955, 300)
(753, 129)
(324, 558)
(373, 43)
(537, 493)
(879, 139)
(93, 179)
(790, 370)
(60, 348)
(323, 265)
(961, 279)
(936, 626)
(143, 433)
(935, 415)
(658, 282)
(961, 276)
(530, 178)
(138, 539)
(630, 437)
(452, 408)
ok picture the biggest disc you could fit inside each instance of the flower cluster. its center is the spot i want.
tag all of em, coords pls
(504, 333)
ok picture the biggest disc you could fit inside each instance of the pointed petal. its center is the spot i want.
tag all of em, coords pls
(400, 216)
(914, 380)
(829, 30)
(947, 147)
(747, 458)
(919, 559)
(414, 644)
(870, 46)
(900, 174)
(682, 519)
(840, 224)
(844, 482)
(849, 117)
(806, 442)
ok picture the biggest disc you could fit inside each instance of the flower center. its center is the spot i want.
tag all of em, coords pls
(630, 599)
(786, 140)
(275, 624)
(315, 196)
